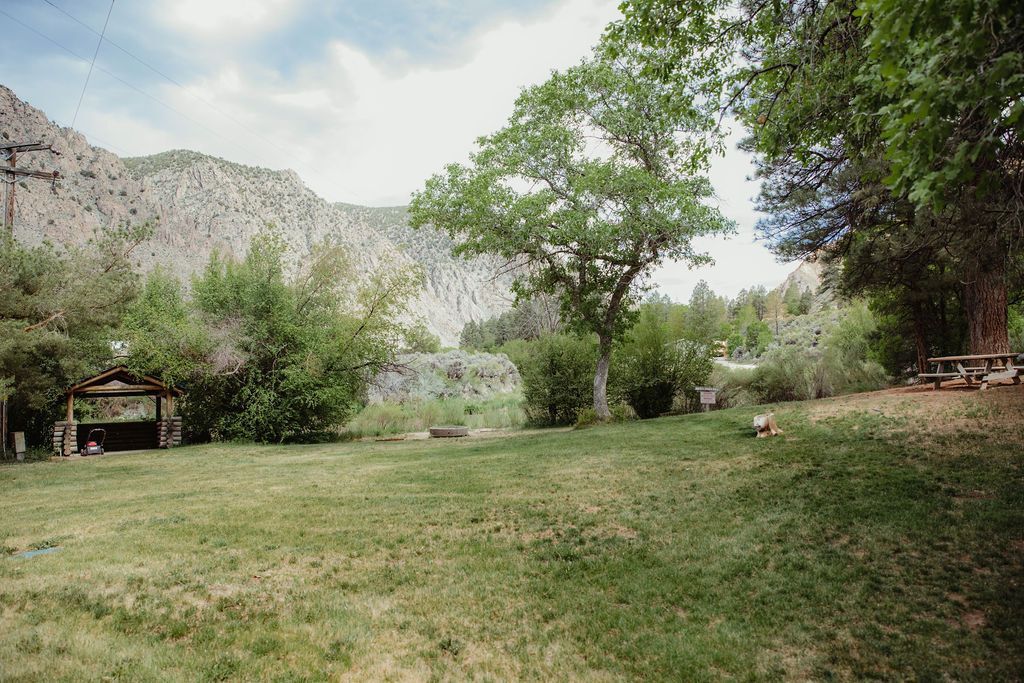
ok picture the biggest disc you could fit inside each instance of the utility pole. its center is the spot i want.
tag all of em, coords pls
(9, 152)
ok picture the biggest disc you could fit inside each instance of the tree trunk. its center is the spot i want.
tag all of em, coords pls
(920, 339)
(985, 305)
(601, 378)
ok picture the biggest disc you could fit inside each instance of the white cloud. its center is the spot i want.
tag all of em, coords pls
(227, 19)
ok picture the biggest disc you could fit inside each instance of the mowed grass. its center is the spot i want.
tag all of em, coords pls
(865, 542)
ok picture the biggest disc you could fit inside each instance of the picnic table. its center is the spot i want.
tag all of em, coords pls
(982, 368)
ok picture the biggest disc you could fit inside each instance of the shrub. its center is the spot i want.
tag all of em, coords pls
(558, 376)
(793, 373)
(734, 386)
(650, 368)
(788, 373)
(382, 419)
(621, 412)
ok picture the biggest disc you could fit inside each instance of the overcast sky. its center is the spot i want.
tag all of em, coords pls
(363, 98)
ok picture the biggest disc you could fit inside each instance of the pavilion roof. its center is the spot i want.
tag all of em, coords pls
(120, 381)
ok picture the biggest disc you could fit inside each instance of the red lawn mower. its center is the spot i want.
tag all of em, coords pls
(94, 442)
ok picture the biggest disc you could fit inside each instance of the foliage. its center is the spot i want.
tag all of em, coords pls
(951, 76)
(418, 339)
(875, 123)
(651, 368)
(528, 319)
(844, 363)
(557, 372)
(266, 358)
(620, 412)
(1017, 329)
(788, 373)
(449, 374)
(59, 311)
(592, 225)
(705, 315)
(758, 337)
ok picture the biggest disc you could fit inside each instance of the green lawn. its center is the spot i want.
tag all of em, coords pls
(858, 544)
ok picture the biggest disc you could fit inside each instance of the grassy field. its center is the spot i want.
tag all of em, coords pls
(879, 537)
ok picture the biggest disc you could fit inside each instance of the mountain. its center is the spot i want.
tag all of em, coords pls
(808, 276)
(200, 203)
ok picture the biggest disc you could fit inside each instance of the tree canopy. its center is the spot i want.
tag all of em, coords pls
(592, 183)
(872, 121)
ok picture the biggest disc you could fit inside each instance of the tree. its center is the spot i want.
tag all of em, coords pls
(266, 357)
(59, 312)
(869, 117)
(705, 315)
(585, 225)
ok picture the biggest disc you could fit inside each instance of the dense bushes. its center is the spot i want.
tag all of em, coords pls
(651, 368)
(426, 376)
(264, 357)
(844, 364)
(382, 419)
(558, 377)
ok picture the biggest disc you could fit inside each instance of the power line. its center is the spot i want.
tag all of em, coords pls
(126, 83)
(290, 156)
(92, 64)
(169, 79)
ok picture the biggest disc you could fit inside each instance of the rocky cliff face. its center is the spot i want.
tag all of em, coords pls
(199, 204)
(808, 276)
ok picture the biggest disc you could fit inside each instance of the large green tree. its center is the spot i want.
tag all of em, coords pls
(598, 176)
(890, 120)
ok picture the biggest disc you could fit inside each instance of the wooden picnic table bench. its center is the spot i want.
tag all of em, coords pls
(984, 372)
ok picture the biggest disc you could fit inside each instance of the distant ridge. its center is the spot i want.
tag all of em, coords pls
(202, 203)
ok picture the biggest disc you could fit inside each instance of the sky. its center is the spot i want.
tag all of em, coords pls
(364, 99)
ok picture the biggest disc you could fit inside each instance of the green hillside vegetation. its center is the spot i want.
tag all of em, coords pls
(864, 543)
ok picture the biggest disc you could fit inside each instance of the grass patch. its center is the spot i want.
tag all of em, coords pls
(679, 548)
(382, 419)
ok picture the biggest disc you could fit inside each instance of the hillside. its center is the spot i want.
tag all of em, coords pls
(878, 538)
(807, 276)
(201, 203)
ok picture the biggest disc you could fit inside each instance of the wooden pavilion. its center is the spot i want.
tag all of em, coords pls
(163, 432)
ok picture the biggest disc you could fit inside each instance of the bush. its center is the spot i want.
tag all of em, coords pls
(651, 369)
(788, 373)
(260, 352)
(734, 386)
(792, 373)
(621, 412)
(558, 378)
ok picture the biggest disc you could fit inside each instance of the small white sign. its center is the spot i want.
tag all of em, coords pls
(707, 395)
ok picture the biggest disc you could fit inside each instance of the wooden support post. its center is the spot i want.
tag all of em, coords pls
(9, 184)
(71, 408)
(157, 399)
(170, 404)
(9, 151)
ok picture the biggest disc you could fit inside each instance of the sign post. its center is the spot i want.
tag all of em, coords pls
(708, 397)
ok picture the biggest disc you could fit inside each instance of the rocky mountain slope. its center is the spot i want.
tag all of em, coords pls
(200, 203)
(808, 276)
